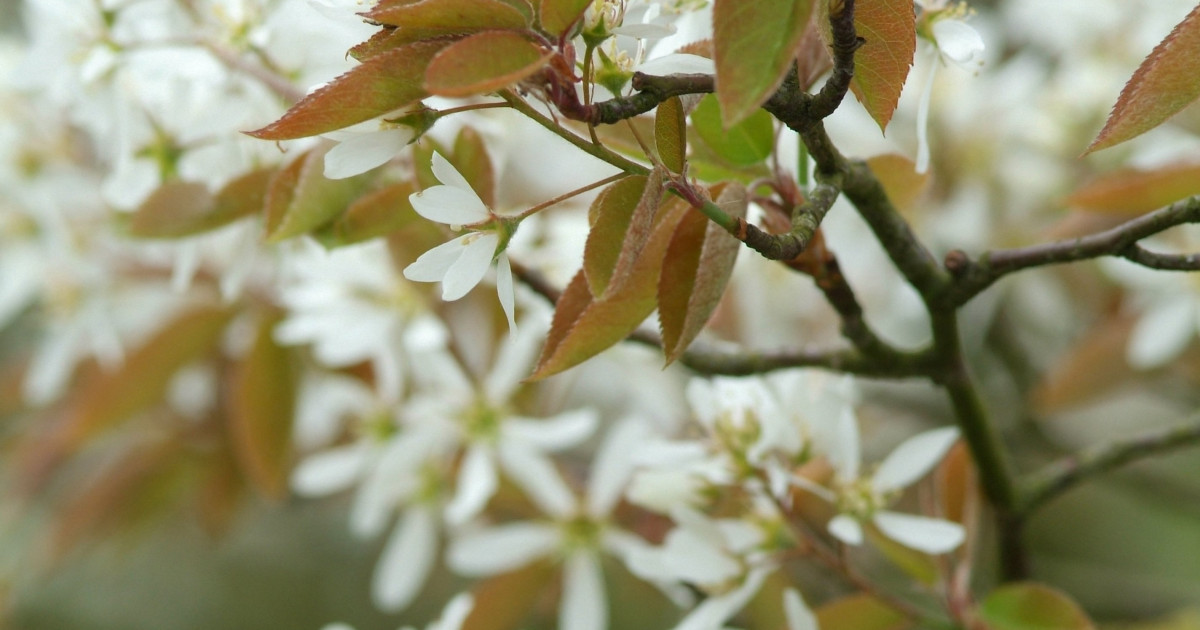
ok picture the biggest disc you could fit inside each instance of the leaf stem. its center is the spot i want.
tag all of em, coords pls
(567, 195)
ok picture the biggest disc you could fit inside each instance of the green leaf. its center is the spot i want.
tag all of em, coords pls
(260, 406)
(383, 83)
(754, 45)
(178, 209)
(375, 214)
(881, 65)
(584, 325)
(609, 217)
(1032, 606)
(860, 612)
(314, 200)
(445, 18)
(748, 142)
(670, 134)
(1132, 193)
(696, 268)
(557, 16)
(281, 190)
(1164, 84)
(484, 62)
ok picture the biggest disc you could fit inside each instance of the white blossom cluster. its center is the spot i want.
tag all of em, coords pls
(417, 408)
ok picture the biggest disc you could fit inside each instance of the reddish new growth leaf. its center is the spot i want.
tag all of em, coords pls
(383, 83)
(441, 18)
(1165, 83)
(484, 62)
(754, 45)
(696, 268)
(1134, 192)
(881, 65)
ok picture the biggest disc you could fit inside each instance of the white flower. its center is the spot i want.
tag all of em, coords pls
(578, 532)
(461, 263)
(365, 146)
(954, 41)
(351, 307)
(862, 498)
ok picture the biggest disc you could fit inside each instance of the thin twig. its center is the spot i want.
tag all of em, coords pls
(973, 276)
(1064, 474)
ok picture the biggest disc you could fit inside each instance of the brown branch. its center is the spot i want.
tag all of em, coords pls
(973, 276)
(1060, 476)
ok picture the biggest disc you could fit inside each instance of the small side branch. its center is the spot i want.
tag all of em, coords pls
(973, 276)
(845, 42)
(784, 247)
(1059, 477)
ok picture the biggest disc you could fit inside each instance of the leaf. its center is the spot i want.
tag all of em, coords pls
(504, 601)
(609, 217)
(747, 142)
(670, 134)
(557, 16)
(281, 190)
(315, 199)
(484, 62)
(697, 266)
(106, 399)
(921, 567)
(859, 612)
(178, 209)
(129, 492)
(472, 161)
(640, 225)
(378, 213)
(1093, 367)
(1132, 192)
(900, 180)
(1032, 606)
(754, 45)
(443, 18)
(584, 326)
(881, 65)
(1163, 85)
(383, 83)
(259, 409)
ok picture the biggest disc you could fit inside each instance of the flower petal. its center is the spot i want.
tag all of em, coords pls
(477, 483)
(365, 151)
(406, 560)
(506, 292)
(958, 41)
(471, 266)
(329, 471)
(433, 264)
(846, 529)
(1163, 332)
(584, 605)
(445, 172)
(500, 549)
(449, 205)
(455, 612)
(799, 615)
(713, 612)
(678, 63)
(537, 476)
(556, 433)
(913, 458)
(931, 535)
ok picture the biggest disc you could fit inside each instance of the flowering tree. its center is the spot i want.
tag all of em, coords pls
(876, 367)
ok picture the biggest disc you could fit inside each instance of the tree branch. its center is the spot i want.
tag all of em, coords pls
(972, 277)
(1060, 476)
